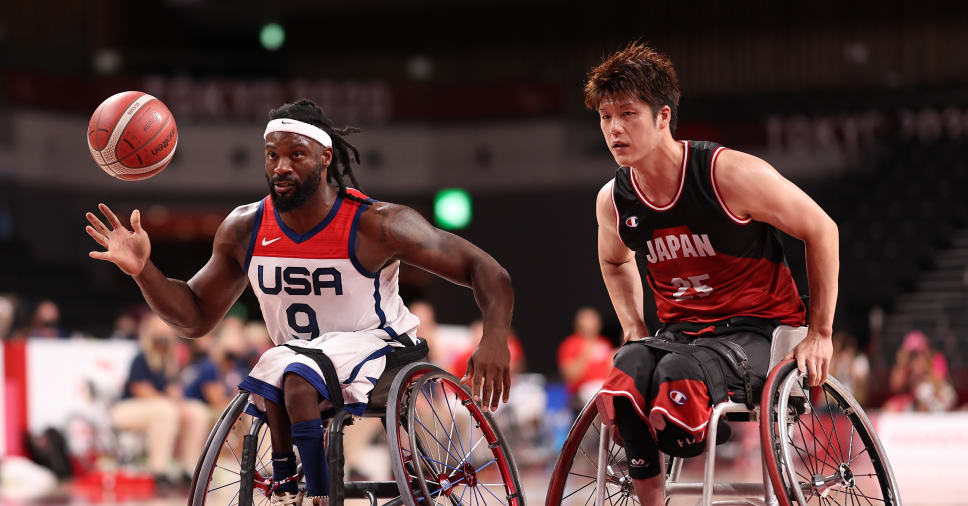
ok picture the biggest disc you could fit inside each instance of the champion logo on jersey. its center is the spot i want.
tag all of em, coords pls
(678, 397)
(632, 221)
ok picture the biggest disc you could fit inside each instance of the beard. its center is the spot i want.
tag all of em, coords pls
(301, 192)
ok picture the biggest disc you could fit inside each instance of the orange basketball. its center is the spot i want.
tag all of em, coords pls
(132, 135)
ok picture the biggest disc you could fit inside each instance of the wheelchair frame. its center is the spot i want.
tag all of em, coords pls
(785, 338)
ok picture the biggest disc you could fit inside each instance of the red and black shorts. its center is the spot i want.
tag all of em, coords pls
(673, 379)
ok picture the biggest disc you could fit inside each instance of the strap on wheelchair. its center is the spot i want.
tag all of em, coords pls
(706, 359)
(408, 354)
(329, 373)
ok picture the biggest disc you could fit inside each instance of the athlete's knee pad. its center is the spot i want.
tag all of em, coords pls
(640, 447)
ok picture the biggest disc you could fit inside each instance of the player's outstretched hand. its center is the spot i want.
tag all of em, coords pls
(813, 357)
(127, 249)
(489, 367)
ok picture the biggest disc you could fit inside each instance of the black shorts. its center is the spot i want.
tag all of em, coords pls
(666, 383)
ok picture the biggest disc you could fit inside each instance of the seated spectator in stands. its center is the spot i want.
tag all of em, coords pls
(215, 371)
(153, 404)
(919, 378)
(459, 366)
(45, 321)
(126, 326)
(585, 357)
(8, 309)
(850, 365)
(428, 330)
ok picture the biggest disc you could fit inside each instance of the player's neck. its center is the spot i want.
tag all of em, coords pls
(303, 218)
(659, 172)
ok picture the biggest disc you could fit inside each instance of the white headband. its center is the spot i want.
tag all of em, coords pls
(298, 127)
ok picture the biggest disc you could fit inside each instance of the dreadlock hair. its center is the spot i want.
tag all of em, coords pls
(307, 111)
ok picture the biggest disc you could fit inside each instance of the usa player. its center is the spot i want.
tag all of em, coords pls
(704, 220)
(323, 260)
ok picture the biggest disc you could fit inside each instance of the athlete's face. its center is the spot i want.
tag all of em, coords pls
(294, 168)
(630, 128)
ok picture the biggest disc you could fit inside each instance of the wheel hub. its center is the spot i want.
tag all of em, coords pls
(846, 476)
(464, 475)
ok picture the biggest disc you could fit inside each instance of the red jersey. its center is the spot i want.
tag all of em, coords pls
(704, 263)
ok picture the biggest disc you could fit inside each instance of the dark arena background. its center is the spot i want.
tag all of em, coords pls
(864, 105)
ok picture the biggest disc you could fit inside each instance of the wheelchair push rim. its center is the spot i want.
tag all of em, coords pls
(218, 478)
(459, 452)
(573, 479)
(821, 449)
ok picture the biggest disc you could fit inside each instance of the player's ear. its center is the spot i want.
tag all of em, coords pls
(663, 117)
(326, 157)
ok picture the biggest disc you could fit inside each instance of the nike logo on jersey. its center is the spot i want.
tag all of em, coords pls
(266, 243)
(673, 246)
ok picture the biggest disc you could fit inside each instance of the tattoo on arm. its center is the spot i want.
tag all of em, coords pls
(408, 230)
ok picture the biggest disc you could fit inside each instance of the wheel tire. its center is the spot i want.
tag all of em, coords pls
(781, 412)
(559, 489)
(232, 418)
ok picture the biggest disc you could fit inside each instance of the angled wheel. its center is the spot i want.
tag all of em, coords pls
(445, 449)
(573, 481)
(236, 463)
(819, 446)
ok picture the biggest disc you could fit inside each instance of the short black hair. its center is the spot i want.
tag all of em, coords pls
(307, 111)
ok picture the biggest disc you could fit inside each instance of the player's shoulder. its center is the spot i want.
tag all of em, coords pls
(739, 167)
(237, 226)
(603, 200)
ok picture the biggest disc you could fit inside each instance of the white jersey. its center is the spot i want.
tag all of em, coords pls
(313, 284)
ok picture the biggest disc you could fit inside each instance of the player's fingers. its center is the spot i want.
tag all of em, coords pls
(136, 221)
(100, 255)
(824, 370)
(97, 236)
(477, 377)
(801, 363)
(468, 378)
(486, 394)
(96, 223)
(497, 386)
(507, 385)
(812, 373)
(109, 214)
(788, 355)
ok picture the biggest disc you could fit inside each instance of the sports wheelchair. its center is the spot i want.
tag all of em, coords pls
(443, 447)
(818, 447)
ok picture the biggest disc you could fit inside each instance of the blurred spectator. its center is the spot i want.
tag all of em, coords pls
(428, 330)
(919, 378)
(7, 312)
(45, 320)
(585, 357)
(215, 371)
(459, 366)
(850, 365)
(152, 403)
(125, 327)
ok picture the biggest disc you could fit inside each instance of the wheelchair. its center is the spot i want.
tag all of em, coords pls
(444, 449)
(818, 447)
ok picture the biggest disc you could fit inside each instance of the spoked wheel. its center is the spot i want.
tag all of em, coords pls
(573, 480)
(819, 446)
(455, 453)
(236, 463)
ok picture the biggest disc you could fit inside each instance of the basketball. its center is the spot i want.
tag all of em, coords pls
(132, 135)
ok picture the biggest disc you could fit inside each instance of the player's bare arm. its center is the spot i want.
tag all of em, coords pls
(193, 308)
(619, 270)
(391, 232)
(750, 187)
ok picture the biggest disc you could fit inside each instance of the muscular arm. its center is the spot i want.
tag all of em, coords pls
(619, 270)
(393, 232)
(750, 187)
(193, 308)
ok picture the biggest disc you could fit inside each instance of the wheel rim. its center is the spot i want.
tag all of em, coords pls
(573, 481)
(222, 486)
(455, 448)
(405, 471)
(828, 452)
